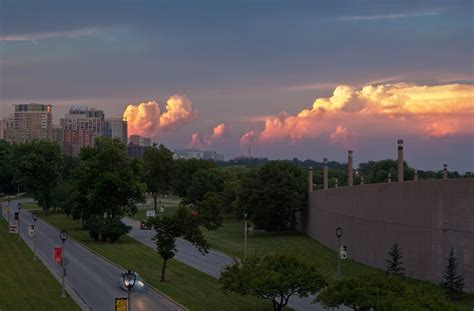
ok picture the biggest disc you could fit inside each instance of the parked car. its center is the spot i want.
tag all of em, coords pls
(144, 225)
(139, 284)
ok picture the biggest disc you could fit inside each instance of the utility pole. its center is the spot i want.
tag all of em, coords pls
(35, 218)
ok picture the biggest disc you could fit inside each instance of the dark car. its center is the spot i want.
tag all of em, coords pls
(144, 225)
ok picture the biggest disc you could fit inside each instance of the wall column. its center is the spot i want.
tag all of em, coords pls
(445, 171)
(310, 179)
(389, 177)
(336, 183)
(350, 172)
(415, 178)
(400, 160)
(325, 173)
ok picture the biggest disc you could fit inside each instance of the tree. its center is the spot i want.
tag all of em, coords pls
(204, 181)
(168, 228)
(158, 165)
(183, 172)
(6, 167)
(395, 263)
(371, 291)
(37, 167)
(210, 211)
(275, 278)
(108, 187)
(452, 282)
(273, 193)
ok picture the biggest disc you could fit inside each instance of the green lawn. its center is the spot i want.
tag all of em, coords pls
(26, 284)
(230, 239)
(190, 287)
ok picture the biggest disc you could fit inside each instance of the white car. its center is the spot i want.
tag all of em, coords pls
(139, 284)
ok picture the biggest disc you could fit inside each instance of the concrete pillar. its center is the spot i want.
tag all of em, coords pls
(445, 171)
(415, 178)
(350, 180)
(389, 177)
(310, 179)
(325, 174)
(400, 160)
(362, 180)
(335, 183)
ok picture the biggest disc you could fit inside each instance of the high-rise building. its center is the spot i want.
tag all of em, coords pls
(116, 128)
(81, 126)
(29, 122)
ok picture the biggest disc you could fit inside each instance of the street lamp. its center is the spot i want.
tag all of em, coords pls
(129, 279)
(19, 227)
(339, 233)
(8, 210)
(245, 234)
(35, 218)
(63, 236)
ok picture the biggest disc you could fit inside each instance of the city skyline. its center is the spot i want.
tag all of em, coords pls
(287, 86)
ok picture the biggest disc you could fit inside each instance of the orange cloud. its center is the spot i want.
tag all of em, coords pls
(248, 138)
(343, 137)
(199, 140)
(431, 111)
(146, 118)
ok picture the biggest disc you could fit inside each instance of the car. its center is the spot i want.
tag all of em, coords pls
(144, 225)
(139, 284)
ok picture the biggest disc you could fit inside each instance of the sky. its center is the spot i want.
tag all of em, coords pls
(305, 79)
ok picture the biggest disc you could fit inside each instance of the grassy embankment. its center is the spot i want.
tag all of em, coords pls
(229, 239)
(190, 287)
(26, 284)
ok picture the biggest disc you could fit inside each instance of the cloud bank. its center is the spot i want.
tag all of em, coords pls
(146, 119)
(427, 111)
(199, 140)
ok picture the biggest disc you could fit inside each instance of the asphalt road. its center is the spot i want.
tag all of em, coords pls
(212, 263)
(91, 278)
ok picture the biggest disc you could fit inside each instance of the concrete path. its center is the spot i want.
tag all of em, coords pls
(212, 264)
(90, 279)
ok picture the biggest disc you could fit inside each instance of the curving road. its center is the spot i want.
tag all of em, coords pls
(91, 280)
(212, 263)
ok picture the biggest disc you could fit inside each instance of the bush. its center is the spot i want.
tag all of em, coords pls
(106, 229)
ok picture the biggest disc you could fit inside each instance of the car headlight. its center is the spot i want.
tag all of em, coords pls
(140, 283)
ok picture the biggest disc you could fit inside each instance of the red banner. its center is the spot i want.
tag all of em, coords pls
(58, 254)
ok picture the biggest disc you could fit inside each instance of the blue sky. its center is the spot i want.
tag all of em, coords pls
(236, 61)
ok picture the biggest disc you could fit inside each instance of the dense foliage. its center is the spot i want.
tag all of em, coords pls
(377, 292)
(275, 278)
(108, 187)
(272, 194)
(37, 167)
(158, 169)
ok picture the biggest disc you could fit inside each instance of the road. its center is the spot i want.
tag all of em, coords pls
(212, 263)
(91, 279)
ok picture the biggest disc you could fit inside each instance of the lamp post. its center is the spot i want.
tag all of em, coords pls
(19, 217)
(129, 279)
(245, 235)
(35, 218)
(8, 210)
(339, 233)
(63, 236)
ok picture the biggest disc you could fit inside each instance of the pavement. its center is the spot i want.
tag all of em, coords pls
(90, 280)
(212, 263)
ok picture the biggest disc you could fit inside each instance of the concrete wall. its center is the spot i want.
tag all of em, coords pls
(427, 218)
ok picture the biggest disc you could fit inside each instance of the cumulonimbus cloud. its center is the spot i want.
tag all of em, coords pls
(429, 111)
(146, 119)
(199, 140)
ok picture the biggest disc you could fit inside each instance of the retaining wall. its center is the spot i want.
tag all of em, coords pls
(427, 218)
